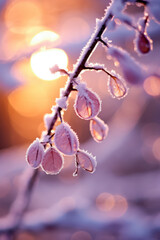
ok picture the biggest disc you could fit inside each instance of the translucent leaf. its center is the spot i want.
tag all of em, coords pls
(87, 104)
(117, 87)
(34, 154)
(99, 129)
(85, 161)
(65, 139)
(52, 161)
(143, 44)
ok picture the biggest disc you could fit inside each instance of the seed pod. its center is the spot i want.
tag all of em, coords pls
(117, 87)
(65, 139)
(34, 154)
(87, 104)
(52, 161)
(85, 161)
(98, 129)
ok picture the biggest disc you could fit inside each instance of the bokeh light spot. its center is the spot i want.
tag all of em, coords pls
(105, 201)
(114, 206)
(44, 36)
(22, 15)
(27, 100)
(152, 86)
(44, 60)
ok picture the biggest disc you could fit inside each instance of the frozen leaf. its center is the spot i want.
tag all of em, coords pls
(99, 129)
(52, 161)
(65, 139)
(85, 161)
(132, 71)
(87, 104)
(117, 87)
(35, 154)
(143, 44)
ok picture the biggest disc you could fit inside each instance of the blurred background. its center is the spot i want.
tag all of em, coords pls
(121, 199)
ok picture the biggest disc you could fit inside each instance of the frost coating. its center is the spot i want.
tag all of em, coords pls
(34, 154)
(86, 161)
(52, 161)
(65, 139)
(87, 104)
(98, 129)
(62, 102)
(48, 117)
(132, 71)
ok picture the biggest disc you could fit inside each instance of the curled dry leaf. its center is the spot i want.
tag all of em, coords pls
(87, 104)
(34, 154)
(117, 87)
(52, 161)
(85, 161)
(98, 129)
(65, 139)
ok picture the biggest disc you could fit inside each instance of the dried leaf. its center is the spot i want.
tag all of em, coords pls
(65, 139)
(34, 154)
(52, 161)
(85, 161)
(99, 129)
(87, 104)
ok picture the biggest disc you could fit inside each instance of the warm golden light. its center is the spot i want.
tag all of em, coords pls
(44, 36)
(42, 61)
(152, 86)
(22, 15)
(27, 100)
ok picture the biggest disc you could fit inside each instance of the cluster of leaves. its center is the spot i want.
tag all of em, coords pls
(60, 140)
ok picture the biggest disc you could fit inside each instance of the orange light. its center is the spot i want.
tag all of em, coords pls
(27, 100)
(22, 15)
(45, 36)
(105, 202)
(152, 86)
(112, 205)
(43, 60)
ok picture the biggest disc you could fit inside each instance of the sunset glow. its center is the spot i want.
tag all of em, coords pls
(43, 60)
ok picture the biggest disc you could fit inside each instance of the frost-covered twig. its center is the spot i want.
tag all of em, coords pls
(55, 142)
